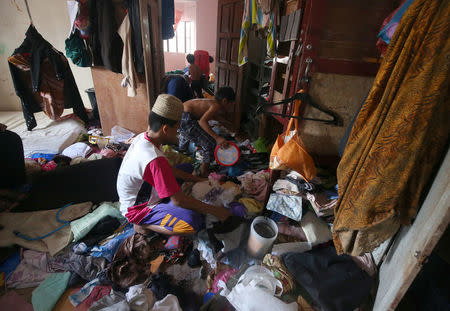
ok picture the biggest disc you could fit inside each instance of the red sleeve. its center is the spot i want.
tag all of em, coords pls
(159, 174)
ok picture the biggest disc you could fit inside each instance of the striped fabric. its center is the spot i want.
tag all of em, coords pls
(254, 18)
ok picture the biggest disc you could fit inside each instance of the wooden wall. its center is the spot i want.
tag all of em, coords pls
(341, 94)
(115, 107)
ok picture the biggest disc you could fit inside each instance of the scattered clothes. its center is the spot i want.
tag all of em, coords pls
(131, 264)
(205, 248)
(252, 206)
(285, 187)
(96, 294)
(105, 227)
(77, 150)
(293, 231)
(316, 230)
(322, 204)
(328, 277)
(109, 249)
(31, 271)
(237, 209)
(287, 205)
(223, 276)
(194, 259)
(82, 226)
(279, 270)
(302, 185)
(291, 247)
(83, 293)
(174, 157)
(366, 263)
(255, 184)
(10, 264)
(169, 303)
(11, 301)
(86, 267)
(163, 285)
(200, 189)
(46, 295)
(38, 224)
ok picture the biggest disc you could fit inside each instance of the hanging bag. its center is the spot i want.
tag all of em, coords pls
(289, 152)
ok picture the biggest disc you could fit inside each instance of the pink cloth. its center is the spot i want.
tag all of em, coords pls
(49, 166)
(108, 153)
(255, 184)
(11, 301)
(224, 276)
(31, 271)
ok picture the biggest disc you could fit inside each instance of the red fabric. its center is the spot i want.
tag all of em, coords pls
(136, 213)
(202, 60)
(158, 173)
(97, 293)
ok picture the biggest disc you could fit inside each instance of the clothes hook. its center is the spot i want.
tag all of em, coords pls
(28, 11)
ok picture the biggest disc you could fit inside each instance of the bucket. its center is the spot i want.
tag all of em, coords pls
(263, 232)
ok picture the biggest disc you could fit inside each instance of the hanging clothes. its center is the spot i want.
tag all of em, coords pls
(104, 41)
(265, 24)
(400, 134)
(136, 39)
(129, 74)
(43, 80)
(167, 19)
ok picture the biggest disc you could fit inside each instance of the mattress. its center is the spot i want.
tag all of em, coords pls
(48, 136)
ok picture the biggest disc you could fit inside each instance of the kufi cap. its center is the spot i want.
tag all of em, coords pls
(168, 106)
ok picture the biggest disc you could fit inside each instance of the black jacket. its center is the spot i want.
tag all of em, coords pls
(40, 49)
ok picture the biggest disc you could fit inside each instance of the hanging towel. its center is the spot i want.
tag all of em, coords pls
(400, 134)
(129, 74)
(254, 18)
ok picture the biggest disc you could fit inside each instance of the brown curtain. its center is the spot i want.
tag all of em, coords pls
(400, 134)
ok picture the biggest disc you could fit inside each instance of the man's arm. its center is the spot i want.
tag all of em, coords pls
(179, 174)
(210, 114)
(188, 202)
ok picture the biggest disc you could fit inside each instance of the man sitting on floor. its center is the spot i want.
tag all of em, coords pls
(168, 211)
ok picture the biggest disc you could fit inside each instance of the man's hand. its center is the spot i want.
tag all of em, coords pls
(3, 127)
(222, 142)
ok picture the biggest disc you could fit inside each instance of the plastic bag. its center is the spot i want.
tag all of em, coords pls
(120, 135)
(259, 284)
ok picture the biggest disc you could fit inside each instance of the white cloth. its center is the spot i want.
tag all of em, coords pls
(77, 150)
(169, 303)
(73, 7)
(316, 230)
(130, 178)
(128, 71)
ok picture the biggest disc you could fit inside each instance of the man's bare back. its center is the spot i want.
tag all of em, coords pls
(195, 72)
(198, 107)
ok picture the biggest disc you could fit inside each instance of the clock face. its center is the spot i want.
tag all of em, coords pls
(228, 156)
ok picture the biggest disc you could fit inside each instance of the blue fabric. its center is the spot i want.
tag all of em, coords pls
(384, 33)
(109, 249)
(47, 156)
(10, 264)
(179, 88)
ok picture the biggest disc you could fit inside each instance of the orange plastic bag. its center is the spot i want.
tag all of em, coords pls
(289, 152)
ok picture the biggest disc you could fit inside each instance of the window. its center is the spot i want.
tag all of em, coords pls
(182, 41)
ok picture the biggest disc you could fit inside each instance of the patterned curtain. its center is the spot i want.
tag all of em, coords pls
(400, 134)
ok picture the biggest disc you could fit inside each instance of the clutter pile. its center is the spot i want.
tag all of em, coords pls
(274, 253)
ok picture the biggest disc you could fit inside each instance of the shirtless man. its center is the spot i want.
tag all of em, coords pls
(195, 74)
(194, 124)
